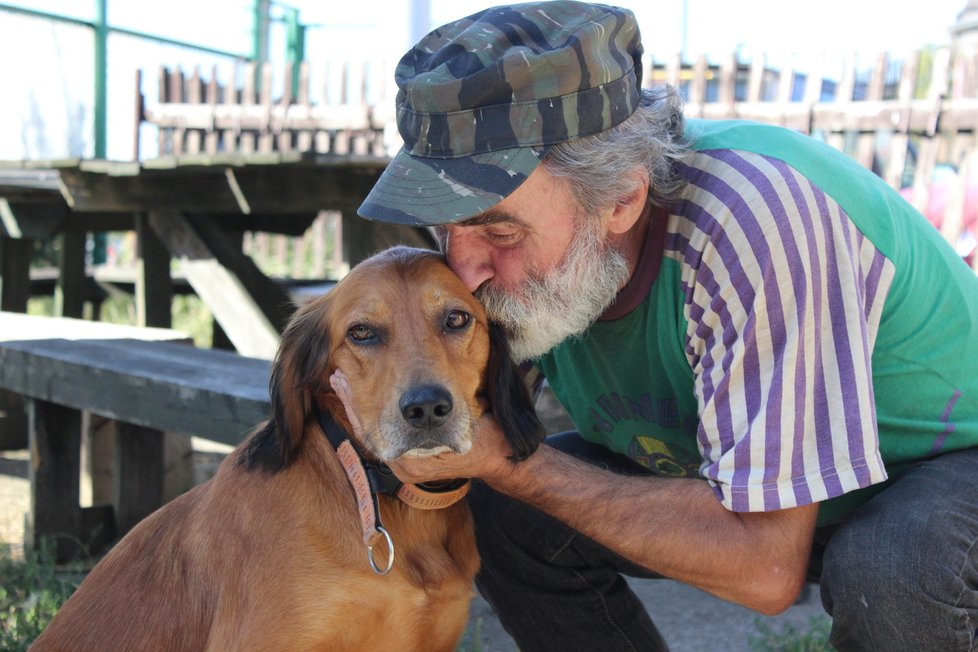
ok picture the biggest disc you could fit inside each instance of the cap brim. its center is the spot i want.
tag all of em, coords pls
(421, 191)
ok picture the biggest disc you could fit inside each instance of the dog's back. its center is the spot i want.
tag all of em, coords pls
(245, 562)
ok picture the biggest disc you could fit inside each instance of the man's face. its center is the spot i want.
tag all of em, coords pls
(542, 272)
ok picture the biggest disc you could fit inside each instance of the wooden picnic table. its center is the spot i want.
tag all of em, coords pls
(194, 208)
(151, 384)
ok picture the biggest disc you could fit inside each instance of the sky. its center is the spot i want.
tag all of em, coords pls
(48, 69)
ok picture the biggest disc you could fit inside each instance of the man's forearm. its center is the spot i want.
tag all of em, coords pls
(675, 527)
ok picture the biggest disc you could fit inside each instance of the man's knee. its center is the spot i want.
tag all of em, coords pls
(893, 583)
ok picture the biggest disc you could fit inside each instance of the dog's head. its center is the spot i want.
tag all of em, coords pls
(420, 357)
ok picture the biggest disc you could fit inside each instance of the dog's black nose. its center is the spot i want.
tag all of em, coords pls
(426, 406)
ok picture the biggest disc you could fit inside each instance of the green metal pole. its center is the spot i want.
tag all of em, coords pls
(101, 64)
(300, 54)
(295, 45)
(99, 239)
(119, 30)
(259, 33)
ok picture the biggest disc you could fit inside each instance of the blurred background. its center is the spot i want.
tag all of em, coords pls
(262, 85)
(49, 69)
(196, 165)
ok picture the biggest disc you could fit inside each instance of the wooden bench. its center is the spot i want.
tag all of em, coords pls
(64, 368)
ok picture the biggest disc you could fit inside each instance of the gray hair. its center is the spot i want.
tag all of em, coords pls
(597, 168)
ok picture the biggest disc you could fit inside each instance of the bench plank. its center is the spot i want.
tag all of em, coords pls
(214, 394)
(64, 367)
(19, 326)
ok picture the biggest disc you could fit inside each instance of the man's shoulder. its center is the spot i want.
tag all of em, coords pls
(746, 135)
(804, 156)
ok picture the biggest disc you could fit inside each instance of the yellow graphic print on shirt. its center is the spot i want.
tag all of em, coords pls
(656, 456)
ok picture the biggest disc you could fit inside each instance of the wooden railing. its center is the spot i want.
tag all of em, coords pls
(198, 116)
(908, 119)
(913, 120)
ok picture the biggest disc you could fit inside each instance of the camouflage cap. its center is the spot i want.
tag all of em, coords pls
(481, 100)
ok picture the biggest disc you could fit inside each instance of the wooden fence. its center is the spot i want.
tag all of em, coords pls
(913, 119)
(342, 111)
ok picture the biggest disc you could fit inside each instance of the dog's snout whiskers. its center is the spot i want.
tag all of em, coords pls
(426, 406)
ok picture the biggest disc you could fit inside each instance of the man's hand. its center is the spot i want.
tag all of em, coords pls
(488, 457)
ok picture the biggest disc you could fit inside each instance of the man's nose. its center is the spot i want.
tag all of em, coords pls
(468, 257)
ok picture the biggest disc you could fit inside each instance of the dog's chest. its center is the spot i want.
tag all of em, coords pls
(434, 572)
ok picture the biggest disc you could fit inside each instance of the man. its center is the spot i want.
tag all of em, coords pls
(769, 356)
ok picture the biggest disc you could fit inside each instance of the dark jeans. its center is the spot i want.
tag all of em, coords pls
(900, 574)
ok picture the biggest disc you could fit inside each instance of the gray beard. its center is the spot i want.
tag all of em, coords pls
(550, 308)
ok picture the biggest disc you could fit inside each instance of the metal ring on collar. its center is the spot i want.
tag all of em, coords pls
(390, 551)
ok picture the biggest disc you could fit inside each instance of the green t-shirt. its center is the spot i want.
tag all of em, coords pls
(795, 332)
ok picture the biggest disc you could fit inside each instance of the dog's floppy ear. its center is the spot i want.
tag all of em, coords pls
(297, 375)
(510, 398)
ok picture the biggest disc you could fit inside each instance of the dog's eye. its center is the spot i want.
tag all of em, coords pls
(456, 320)
(361, 333)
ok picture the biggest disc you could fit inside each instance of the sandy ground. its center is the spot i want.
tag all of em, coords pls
(690, 620)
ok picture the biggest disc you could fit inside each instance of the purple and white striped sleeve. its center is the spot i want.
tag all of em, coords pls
(783, 300)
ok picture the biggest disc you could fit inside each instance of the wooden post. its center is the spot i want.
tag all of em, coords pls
(176, 94)
(813, 95)
(195, 96)
(97, 458)
(164, 136)
(246, 138)
(137, 488)
(13, 422)
(866, 142)
(843, 99)
(897, 158)
(266, 139)
(139, 115)
(55, 441)
(755, 84)
(15, 288)
(304, 139)
(15, 270)
(154, 303)
(212, 95)
(154, 287)
(727, 92)
(69, 294)
(250, 307)
(930, 143)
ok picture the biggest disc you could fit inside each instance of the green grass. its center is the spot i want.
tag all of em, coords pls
(32, 589)
(190, 314)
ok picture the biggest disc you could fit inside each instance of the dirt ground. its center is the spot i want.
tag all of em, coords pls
(690, 620)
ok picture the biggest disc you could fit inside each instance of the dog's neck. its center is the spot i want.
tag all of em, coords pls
(370, 479)
(381, 479)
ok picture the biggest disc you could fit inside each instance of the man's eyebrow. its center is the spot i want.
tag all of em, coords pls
(493, 216)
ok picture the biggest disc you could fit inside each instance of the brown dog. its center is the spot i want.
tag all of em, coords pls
(270, 554)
